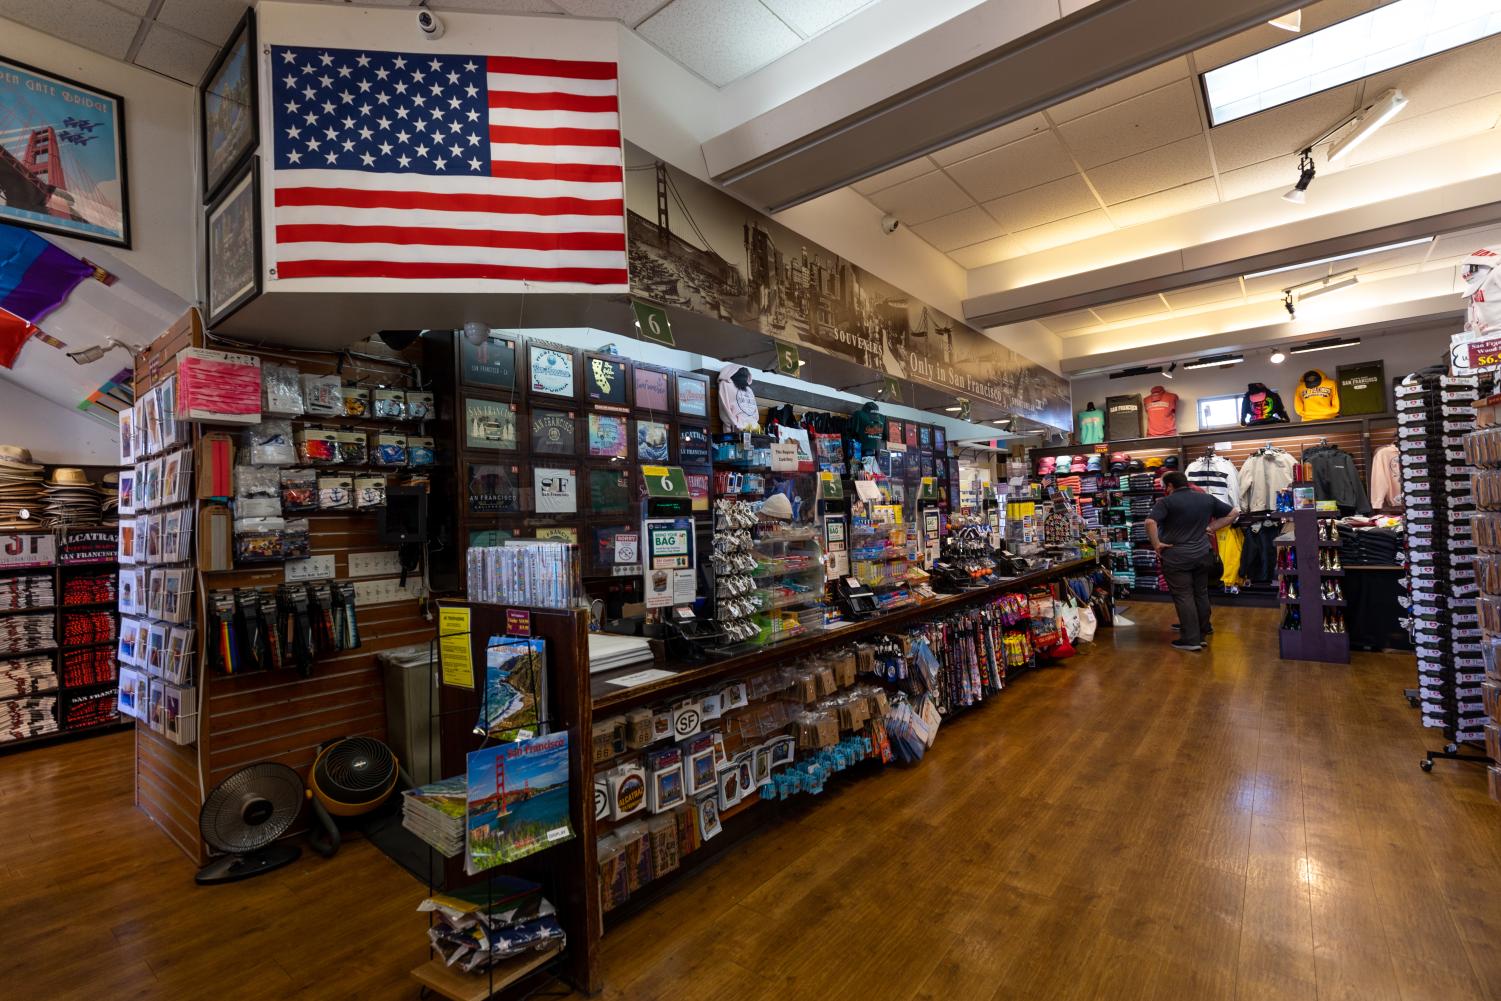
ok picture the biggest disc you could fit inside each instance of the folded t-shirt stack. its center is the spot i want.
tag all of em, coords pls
(1370, 546)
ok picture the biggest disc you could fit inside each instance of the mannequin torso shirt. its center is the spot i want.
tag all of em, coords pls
(1162, 412)
(1091, 426)
(1123, 417)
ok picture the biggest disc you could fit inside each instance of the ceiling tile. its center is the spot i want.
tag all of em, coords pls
(1067, 196)
(1281, 130)
(1407, 135)
(174, 54)
(1064, 322)
(630, 12)
(994, 139)
(1113, 93)
(210, 20)
(89, 23)
(1065, 231)
(1023, 164)
(809, 17)
(139, 7)
(1067, 7)
(896, 175)
(1157, 170)
(922, 199)
(497, 6)
(1131, 309)
(1135, 125)
(959, 229)
(1205, 295)
(720, 40)
(1162, 204)
(989, 252)
(1278, 174)
(1263, 36)
(1442, 80)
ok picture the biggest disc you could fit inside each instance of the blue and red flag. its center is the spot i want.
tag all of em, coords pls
(35, 276)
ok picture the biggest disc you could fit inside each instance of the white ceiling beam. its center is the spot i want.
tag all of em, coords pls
(1438, 210)
(856, 125)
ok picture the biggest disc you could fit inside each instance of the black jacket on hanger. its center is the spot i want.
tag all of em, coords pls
(1336, 478)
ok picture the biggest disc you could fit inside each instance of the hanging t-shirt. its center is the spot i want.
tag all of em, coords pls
(1362, 388)
(1123, 417)
(1091, 427)
(1162, 412)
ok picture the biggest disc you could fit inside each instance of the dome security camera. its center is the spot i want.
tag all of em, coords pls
(429, 24)
(890, 224)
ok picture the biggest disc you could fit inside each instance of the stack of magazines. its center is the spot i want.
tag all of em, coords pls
(478, 927)
(435, 813)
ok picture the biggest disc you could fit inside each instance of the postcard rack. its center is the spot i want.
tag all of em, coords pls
(566, 871)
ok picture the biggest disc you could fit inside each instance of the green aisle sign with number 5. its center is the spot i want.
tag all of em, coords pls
(653, 324)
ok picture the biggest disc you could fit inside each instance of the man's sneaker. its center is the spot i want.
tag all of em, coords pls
(1190, 647)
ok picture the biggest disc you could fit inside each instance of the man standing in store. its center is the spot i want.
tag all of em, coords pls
(1181, 530)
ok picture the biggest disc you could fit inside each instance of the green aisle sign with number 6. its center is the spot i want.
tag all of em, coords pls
(652, 322)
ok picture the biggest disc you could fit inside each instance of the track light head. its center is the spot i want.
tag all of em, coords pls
(1298, 194)
(1289, 305)
(88, 356)
(1278, 357)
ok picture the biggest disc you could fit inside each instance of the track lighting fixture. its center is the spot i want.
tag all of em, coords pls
(88, 356)
(1298, 193)
(1167, 373)
(1278, 357)
(1289, 305)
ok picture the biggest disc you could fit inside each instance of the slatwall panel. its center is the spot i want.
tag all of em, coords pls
(1349, 439)
(280, 716)
(274, 716)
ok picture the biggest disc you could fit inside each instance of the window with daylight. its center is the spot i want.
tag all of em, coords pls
(1219, 411)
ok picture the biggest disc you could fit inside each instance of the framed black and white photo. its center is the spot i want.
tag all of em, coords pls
(234, 245)
(228, 109)
(67, 154)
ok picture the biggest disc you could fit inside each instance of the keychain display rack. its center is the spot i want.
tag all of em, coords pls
(1434, 413)
(1482, 449)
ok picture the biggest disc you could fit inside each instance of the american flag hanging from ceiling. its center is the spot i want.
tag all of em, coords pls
(417, 167)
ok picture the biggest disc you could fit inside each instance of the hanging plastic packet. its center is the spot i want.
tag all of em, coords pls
(271, 444)
(335, 493)
(390, 404)
(281, 390)
(321, 395)
(318, 446)
(420, 451)
(419, 405)
(297, 540)
(299, 490)
(355, 401)
(350, 448)
(390, 449)
(369, 492)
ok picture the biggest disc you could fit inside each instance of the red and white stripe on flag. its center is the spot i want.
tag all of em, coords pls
(451, 168)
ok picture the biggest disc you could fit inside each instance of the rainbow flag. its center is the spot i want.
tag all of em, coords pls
(35, 276)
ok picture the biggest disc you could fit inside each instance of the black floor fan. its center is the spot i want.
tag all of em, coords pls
(243, 816)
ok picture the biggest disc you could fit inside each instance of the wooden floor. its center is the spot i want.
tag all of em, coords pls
(1139, 824)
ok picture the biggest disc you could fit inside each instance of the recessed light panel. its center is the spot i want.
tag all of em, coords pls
(1361, 46)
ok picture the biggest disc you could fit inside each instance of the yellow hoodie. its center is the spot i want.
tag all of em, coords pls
(1319, 403)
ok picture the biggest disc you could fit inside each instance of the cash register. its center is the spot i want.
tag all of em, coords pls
(856, 600)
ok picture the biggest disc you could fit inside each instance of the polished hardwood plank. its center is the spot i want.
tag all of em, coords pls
(1136, 824)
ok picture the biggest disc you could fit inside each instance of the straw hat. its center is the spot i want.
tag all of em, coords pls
(15, 455)
(69, 476)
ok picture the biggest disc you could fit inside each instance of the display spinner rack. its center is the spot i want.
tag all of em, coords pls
(579, 699)
(83, 673)
(273, 715)
(1311, 641)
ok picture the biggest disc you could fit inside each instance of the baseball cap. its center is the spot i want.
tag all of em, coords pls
(1120, 457)
(777, 506)
(1135, 466)
(1170, 462)
(1092, 464)
(1153, 462)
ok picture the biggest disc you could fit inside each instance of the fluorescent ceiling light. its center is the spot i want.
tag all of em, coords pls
(1321, 290)
(1219, 361)
(1336, 342)
(1340, 257)
(1389, 36)
(1378, 114)
(1289, 22)
(951, 410)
